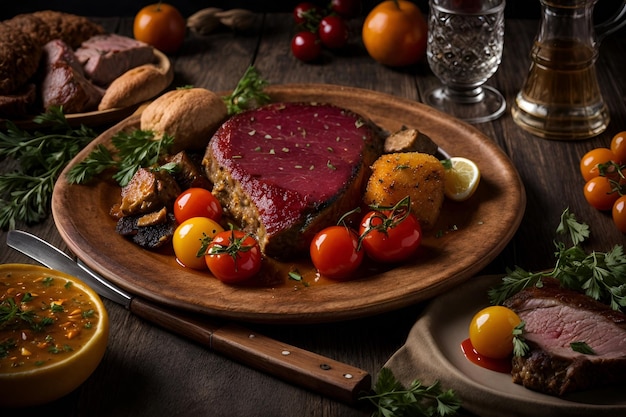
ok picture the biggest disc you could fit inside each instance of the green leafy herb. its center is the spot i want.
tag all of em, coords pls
(392, 399)
(133, 150)
(248, 93)
(520, 347)
(600, 275)
(582, 347)
(41, 155)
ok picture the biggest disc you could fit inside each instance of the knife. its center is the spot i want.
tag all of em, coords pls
(294, 365)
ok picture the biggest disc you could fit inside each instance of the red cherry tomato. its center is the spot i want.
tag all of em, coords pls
(303, 12)
(197, 202)
(306, 46)
(333, 32)
(618, 146)
(599, 193)
(387, 239)
(346, 8)
(160, 25)
(233, 256)
(335, 252)
(590, 161)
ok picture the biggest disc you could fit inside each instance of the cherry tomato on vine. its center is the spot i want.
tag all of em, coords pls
(590, 161)
(306, 46)
(197, 202)
(395, 33)
(491, 331)
(618, 146)
(333, 32)
(302, 11)
(599, 193)
(187, 240)
(619, 214)
(346, 8)
(233, 256)
(386, 238)
(160, 25)
(335, 252)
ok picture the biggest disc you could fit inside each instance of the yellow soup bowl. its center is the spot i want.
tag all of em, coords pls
(54, 331)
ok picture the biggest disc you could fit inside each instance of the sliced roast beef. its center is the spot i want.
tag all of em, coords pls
(106, 57)
(64, 83)
(555, 318)
(286, 170)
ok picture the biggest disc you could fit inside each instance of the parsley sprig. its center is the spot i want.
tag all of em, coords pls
(600, 275)
(25, 193)
(392, 399)
(248, 93)
(132, 150)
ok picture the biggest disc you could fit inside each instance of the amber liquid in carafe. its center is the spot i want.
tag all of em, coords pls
(561, 92)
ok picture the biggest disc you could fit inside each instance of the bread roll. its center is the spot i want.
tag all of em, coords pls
(190, 115)
(135, 86)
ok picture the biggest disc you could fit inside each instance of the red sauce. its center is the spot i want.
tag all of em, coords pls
(498, 365)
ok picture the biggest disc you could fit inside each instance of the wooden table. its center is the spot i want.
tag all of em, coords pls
(150, 372)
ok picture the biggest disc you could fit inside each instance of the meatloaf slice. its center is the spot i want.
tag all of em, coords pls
(286, 170)
(555, 318)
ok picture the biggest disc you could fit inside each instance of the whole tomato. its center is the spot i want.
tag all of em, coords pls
(618, 146)
(600, 193)
(233, 256)
(395, 33)
(160, 25)
(188, 240)
(335, 252)
(333, 32)
(590, 161)
(197, 202)
(619, 214)
(389, 237)
(346, 8)
(306, 46)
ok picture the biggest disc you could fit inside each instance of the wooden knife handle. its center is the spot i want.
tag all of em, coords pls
(298, 366)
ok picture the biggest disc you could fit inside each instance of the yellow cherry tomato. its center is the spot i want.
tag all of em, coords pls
(160, 25)
(394, 33)
(187, 240)
(491, 331)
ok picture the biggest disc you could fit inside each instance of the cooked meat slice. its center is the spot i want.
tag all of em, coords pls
(151, 236)
(64, 83)
(286, 170)
(555, 318)
(106, 57)
(148, 191)
(410, 140)
(189, 174)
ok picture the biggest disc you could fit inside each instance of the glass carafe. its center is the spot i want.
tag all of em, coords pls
(561, 98)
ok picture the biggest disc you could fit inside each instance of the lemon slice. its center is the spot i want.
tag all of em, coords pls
(462, 178)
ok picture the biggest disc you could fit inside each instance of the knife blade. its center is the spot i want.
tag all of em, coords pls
(309, 370)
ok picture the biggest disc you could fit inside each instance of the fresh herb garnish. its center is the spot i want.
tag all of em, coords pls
(582, 347)
(25, 194)
(133, 150)
(392, 399)
(248, 93)
(520, 347)
(600, 275)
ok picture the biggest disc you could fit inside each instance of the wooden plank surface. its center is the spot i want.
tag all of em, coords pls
(148, 371)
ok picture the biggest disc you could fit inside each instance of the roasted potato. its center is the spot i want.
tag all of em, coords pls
(418, 175)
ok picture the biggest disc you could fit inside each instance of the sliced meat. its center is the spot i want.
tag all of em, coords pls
(106, 57)
(189, 173)
(148, 191)
(64, 83)
(286, 170)
(150, 231)
(555, 318)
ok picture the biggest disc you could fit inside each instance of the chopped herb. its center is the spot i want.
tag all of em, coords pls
(520, 347)
(330, 165)
(285, 149)
(600, 275)
(392, 399)
(296, 276)
(26, 193)
(330, 149)
(68, 285)
(47, 281)
(252, 132)
(56, 307)
(582, 347)
(88, 314)
(272, 152)
(248, 93)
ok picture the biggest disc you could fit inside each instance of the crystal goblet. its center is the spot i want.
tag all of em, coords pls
(465, 42)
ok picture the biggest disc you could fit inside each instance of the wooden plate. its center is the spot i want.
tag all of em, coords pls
(105, 117)
(466, 238)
